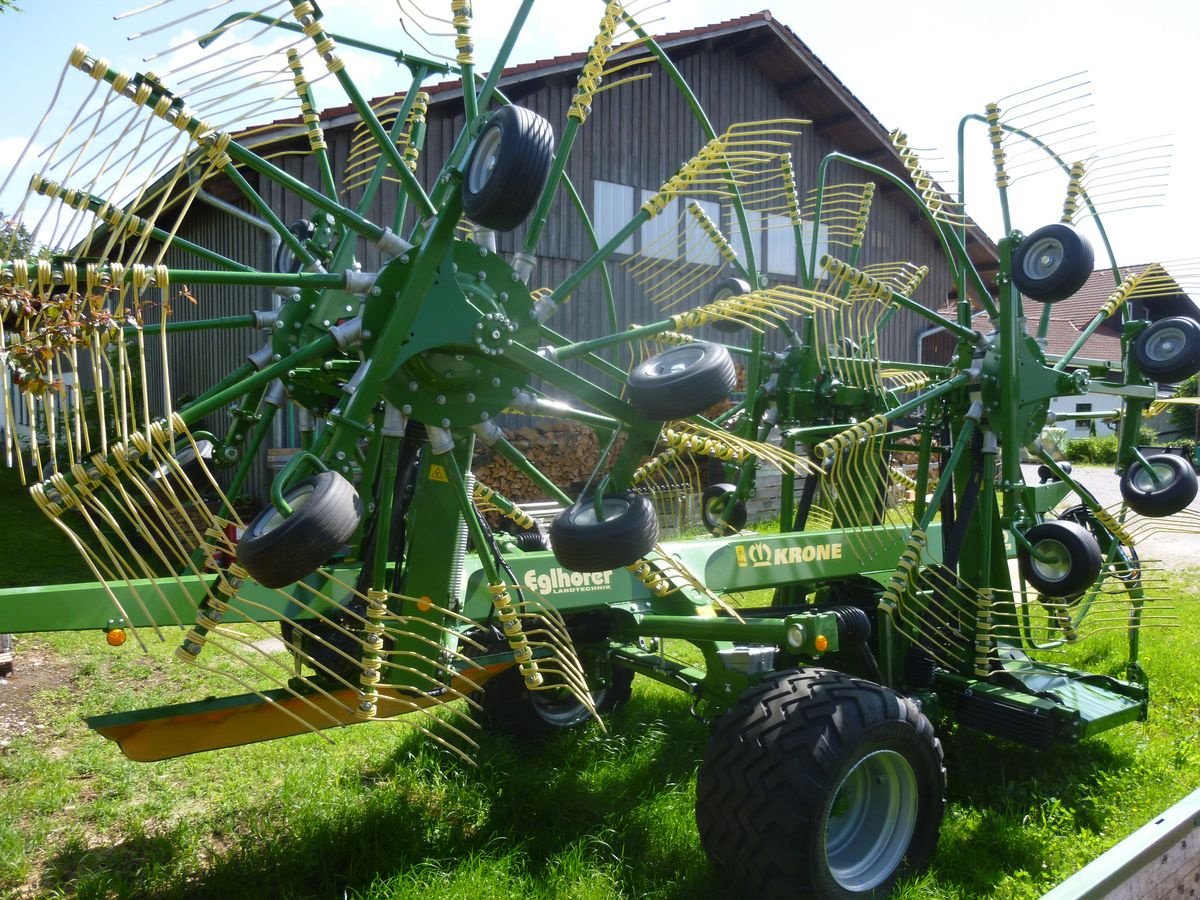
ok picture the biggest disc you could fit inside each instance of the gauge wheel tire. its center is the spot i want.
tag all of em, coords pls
(507, 168)
(190, 462)
(277, 551)
(509, 708)
(712, 507)
(1052, 263)
(681, 381)
(1127, 565)
(724, 290)
(1046, 474)
(1174, 494)
(817, 784)
(285, 260)
(1073, 558)
(1169, 350)
(584, 542)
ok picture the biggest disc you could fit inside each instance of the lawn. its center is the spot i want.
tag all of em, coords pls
(378, 811)
(35, 550)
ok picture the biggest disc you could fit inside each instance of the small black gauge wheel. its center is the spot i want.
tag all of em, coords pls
(623, 531)
(1046, 474)
(278, 550)
(510, 708)
(682, 381)
(190, 461)
(1064, 561)
(713, 502)
(724, 289)
(1123, 562)
(1052, 263)
(507, 168)
(1169, 350)
(285, 260)
(1176, 486)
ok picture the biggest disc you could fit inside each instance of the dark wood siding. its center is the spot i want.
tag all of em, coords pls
(638, 135)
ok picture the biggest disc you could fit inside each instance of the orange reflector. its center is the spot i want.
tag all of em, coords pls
(115, 637)
(821, 643)
(424, 604)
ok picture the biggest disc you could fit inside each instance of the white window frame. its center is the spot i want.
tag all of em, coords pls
(779, 257)
(612, 208)
(663, 225)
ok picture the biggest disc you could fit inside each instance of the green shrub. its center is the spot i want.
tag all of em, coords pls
(1095, 451)
(1185, 418)
(1102, 451)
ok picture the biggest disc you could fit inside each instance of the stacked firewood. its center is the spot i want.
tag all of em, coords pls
(565, 452)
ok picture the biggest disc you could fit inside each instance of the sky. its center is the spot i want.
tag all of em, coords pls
(918, 66)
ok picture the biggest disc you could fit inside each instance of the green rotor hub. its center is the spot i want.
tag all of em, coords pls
(453, 370)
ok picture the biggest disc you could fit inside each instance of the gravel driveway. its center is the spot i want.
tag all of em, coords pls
(1175, 551)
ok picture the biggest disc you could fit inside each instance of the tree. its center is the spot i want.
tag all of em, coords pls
(16, 241)
(9, 4)
(1184, 416)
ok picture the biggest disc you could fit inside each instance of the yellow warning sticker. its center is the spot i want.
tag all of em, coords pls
(438, 473)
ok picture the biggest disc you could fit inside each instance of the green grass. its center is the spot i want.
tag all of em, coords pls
(381, 813)
(36, 551)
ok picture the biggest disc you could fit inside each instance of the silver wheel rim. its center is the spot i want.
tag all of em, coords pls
(1165, 344)
(1043, 258)
(871, 821)
(1052, 561)
(674, 363)
(295, 500)
(1144, 482)
(483, 160)
(610, 507)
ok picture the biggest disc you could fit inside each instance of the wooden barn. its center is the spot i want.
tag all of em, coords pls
(747, 69)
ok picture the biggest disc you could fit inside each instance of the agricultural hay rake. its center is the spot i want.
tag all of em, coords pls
(401, 584)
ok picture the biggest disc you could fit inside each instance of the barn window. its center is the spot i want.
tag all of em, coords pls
(1083, 426)
(700, 248)
(781, 246)
(822, 246)
(612, 208)
(754, 224)
(660, 236)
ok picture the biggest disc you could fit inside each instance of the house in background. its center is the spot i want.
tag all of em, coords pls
(1068, 319)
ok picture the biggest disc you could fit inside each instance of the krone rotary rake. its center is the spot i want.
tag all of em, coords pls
(409, 322)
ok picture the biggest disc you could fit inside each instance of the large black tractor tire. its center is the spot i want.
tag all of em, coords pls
(682, 381)
(277, 551)
(1052, 263)
(1169, 349)
(713, 503)
(1176, 491)
(626, 531)
(510, 708)
(507, 168)
(1066, 558)
(820, 785)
